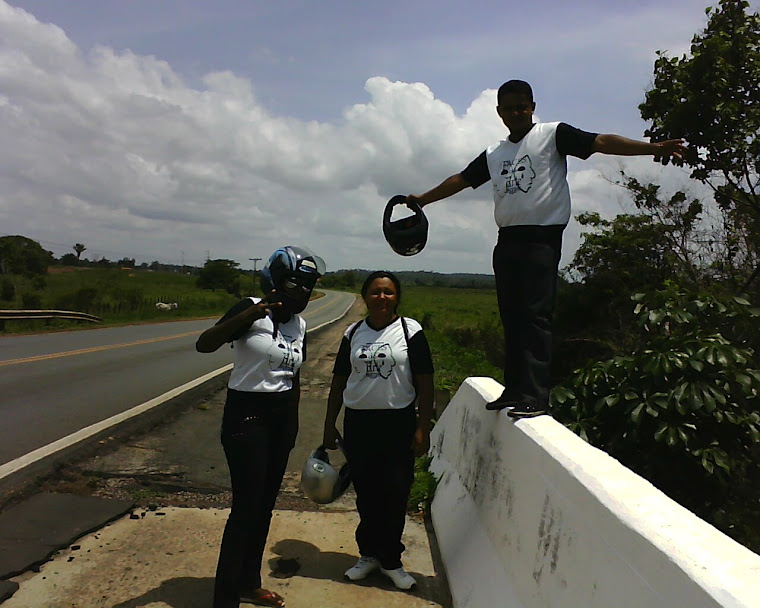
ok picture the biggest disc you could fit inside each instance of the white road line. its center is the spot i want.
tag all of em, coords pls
(9, 468)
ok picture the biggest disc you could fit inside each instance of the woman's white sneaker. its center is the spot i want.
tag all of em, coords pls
(363, 568)
(400, 577)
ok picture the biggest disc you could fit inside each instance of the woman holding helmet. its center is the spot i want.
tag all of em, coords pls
(260, 420)
(383, 366)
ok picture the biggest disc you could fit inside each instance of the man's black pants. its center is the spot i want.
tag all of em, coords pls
(258, 432)
(378, 446)
(525, 264)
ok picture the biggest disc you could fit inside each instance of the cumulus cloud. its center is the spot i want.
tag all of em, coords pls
(115, 150)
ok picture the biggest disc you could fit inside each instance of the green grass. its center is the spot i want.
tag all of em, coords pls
(117, 296)
(463, 329)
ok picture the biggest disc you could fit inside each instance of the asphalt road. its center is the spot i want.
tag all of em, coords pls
(52, 385)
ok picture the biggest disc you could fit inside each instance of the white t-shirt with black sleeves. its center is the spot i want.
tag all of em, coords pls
(267, 355)
(380, 365)
(529, 177)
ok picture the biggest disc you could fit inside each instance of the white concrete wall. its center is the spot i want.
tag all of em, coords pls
(528, 515)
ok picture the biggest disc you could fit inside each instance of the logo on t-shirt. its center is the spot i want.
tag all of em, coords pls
(376, 360)
(283, 353)
(518, 174)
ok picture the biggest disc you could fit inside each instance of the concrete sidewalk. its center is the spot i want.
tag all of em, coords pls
(167, 557)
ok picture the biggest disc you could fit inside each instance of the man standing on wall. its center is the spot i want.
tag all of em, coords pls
(528, 171)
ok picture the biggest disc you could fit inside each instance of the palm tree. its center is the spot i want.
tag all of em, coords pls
(79, 248)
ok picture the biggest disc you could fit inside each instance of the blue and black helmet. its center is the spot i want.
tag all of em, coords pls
(292, 273)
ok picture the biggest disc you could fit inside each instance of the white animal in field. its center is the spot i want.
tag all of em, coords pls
(165, 306)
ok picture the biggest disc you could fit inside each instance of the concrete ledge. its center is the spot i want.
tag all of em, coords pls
(529, 515)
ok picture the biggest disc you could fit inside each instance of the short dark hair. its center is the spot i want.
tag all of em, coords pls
(382, 274)
(517, 87)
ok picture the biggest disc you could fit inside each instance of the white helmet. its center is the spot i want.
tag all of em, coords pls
(319, 479)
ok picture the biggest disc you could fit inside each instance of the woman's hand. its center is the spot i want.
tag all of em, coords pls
(330, 437)
(421, 442)
(261, 308)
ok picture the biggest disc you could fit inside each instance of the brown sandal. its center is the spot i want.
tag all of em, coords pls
(263, 597)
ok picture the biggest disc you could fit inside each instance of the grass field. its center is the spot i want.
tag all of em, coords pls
(463, 328)
(117, 296)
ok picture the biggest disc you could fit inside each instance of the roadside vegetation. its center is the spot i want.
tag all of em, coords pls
(657, 329)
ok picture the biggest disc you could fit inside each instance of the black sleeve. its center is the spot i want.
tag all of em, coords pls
(574, 142)
(234, 311)
(342, 365)
(476, 173)
(303, 358)
(420, 359)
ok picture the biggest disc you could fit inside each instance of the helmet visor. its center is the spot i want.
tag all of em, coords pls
(299, 285)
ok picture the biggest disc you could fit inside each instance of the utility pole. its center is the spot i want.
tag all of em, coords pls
(254, 260)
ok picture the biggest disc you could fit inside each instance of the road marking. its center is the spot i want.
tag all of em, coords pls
(94, 349)
(47, 451)
(56, 446)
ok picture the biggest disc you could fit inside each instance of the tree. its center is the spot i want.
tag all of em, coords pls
(126, 263)
(80, 249)
(69, 259)
(220, 274)
(23, 256)
(711, 98)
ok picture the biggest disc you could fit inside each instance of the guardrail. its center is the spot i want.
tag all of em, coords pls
(18, 315)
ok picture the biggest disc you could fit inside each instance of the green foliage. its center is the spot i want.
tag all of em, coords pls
(711, 98)
(69, 259)
(81, 300)
(629, 251)
(423, 487)
(7, 289)
(23, 256)
(31, 300)
(681, 409)
(220, 274)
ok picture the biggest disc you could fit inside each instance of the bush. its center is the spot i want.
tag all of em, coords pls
(31, 300)
(681, 410)
(81, 300)
(7, 289)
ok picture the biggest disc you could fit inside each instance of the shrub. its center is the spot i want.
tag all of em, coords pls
(7, 289)
(681, 410)
(31, 300)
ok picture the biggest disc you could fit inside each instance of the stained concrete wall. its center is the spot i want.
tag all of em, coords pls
(528, 515)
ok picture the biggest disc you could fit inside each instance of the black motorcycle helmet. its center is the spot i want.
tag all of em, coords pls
(292, 273)
(408, 235)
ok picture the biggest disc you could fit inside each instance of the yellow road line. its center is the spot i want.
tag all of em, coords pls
(94, 349)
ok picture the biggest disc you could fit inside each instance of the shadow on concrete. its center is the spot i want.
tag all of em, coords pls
(182, 592)
(304, 559)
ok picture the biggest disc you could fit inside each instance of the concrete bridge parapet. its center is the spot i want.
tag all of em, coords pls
(528, 515)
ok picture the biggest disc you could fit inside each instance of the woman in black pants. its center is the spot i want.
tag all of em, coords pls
(383, 366)
(261, 414)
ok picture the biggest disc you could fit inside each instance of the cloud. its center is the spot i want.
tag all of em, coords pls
(115, 150)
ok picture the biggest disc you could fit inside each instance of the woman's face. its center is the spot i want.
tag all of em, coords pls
(381, 297)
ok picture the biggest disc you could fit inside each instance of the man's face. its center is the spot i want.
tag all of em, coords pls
(516, 111)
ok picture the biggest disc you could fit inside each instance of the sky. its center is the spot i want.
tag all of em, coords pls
(184, 130)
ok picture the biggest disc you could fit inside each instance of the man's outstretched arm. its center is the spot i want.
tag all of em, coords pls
(608, 143)
(448, 187)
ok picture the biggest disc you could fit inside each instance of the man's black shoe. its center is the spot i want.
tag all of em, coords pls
(501, 403)
(526, 410)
